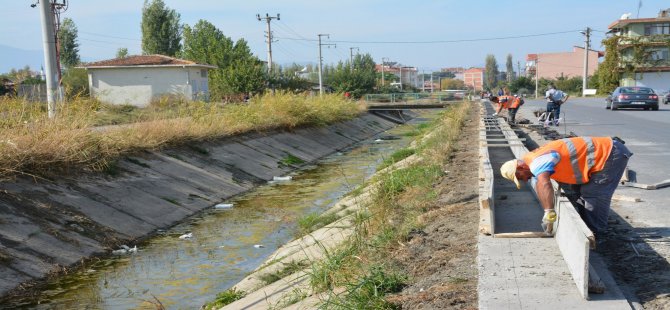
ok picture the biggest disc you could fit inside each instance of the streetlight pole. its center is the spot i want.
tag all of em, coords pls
(587, 42)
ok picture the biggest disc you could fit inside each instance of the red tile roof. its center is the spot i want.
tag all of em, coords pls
(144, 60)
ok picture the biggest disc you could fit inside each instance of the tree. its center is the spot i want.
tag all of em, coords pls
(509, 66)
(609, 72)
(75, 82)
(239, 71)
(522, 85)
(359, 81)
(161, 31)
(452, 84)
(122, 52)
(68, 46)
(491, 71)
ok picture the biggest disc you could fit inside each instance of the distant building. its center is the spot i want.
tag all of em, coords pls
(456, 71)
(407, 75)
(654, 34)
(561, 64)
(136, 80)
(474, 78)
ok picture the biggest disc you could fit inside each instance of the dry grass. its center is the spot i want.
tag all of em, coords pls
(31, 143)
(361, 266)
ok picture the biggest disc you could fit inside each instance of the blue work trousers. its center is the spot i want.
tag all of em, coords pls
(553, 110)
(592, 200)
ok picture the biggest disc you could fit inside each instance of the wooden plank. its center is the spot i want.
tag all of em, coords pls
(662, 184)
(501, 145)
(626, 198)
(639, 185)
(524, 234)
(504, 140)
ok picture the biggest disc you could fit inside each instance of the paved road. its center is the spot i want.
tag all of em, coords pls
(647, 135)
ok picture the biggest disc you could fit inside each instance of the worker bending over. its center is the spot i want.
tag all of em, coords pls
(511, 103)
(588, 169)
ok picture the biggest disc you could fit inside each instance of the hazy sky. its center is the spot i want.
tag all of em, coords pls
(105, 26)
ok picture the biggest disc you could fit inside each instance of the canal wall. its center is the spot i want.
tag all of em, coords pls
(47, 226)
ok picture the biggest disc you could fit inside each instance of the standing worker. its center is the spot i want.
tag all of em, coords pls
(588, 169)
(511, 103)
(555, 98)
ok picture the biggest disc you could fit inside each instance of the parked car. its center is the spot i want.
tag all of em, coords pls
(632, 97)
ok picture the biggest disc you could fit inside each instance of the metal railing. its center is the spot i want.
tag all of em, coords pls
(416, 98)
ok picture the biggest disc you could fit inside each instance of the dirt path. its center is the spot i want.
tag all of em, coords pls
(441, 259)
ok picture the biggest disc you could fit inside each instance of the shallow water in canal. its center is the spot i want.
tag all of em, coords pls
(187, 273)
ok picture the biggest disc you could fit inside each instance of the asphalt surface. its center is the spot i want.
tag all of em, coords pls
(647, 135)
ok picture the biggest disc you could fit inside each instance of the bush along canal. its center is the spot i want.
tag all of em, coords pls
(188, 264)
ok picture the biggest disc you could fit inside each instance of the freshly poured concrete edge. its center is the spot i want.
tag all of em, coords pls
(486, 206)
(574, 240)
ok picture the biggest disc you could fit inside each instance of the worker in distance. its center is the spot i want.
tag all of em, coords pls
(588, 170)
(511, 103)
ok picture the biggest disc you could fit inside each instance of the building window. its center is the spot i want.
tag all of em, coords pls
(203, 73)
(662, 54)
(654, 29)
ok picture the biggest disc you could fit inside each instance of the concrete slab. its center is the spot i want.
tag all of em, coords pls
(531, 274)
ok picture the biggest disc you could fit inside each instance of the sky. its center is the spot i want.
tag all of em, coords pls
(427, 34)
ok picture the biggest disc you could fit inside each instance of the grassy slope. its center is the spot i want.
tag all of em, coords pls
(30, 143)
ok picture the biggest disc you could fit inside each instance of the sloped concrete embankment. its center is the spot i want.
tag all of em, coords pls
(46, 226)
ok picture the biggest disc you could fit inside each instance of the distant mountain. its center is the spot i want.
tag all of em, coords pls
(11, 57)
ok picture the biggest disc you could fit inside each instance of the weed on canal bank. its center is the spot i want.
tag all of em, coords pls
(33, 144)
(359, 274)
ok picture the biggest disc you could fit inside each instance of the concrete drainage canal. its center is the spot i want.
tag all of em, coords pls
(187, 265)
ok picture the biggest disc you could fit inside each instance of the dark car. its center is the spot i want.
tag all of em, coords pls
(633, 97)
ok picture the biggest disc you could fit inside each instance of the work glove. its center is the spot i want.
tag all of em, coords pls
(548, 220)
(495, 114)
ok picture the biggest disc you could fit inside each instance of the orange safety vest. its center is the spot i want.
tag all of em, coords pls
(510, 102)
(514, 102)
(580, 157)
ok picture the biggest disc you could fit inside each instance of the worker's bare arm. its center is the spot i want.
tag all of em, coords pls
(545, 192)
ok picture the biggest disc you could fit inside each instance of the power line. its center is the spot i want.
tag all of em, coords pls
(436, 42)
(108, 36)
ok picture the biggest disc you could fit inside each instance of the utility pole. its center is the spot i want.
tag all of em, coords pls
(400, 77)
(268, 19)
(383, 64)
(50, 59)
(587, 43)
(518, 69)
(321, 62)
(432, 86)
(423, 80)
(537, 70)
(351, 56)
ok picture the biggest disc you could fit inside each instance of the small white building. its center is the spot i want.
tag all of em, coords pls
(136, 80)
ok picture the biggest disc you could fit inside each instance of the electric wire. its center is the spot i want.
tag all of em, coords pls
(108, 36)
(438, 41)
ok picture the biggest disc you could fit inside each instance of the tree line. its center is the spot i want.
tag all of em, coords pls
(238, 72)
